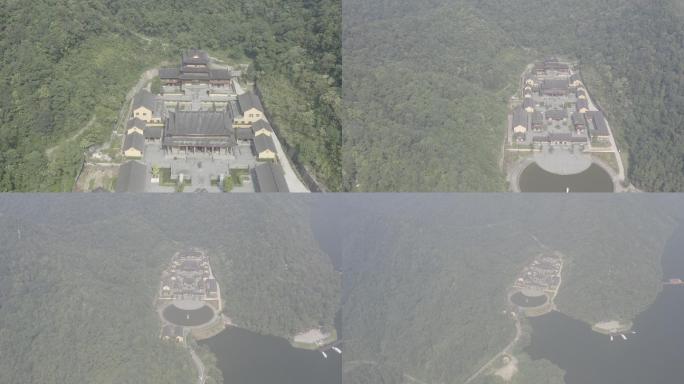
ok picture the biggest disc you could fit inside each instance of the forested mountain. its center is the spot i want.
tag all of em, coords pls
(427, 83)
(422, 286)
(63, 63)
(425, 285)
(79, 276)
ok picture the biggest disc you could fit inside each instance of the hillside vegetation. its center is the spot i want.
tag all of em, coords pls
(427, 84)
(63, 62)
(425, 286)
(428, 113)
(79, 276)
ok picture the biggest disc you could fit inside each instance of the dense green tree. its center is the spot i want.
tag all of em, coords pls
(79, 276)
(424, 285)
(62, 60)
(427, 85)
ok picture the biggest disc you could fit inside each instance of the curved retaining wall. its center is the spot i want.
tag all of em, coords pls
(188, 317)
(516, 170)
(533, 311)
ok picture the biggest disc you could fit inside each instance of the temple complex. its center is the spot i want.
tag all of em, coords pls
(199, 130)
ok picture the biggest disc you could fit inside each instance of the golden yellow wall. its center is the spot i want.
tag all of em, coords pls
(267, 155)
(252, 115)
(132, 152)
(519, 129)
(143, 114)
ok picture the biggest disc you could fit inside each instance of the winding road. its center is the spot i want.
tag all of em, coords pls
(49, 151)
(201, 376)
(518, 327)
(507, 349)
(293, 183)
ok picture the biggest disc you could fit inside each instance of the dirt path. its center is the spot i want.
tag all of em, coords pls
(125, 111)
(96, 175)
(518, 333)
(509, 370)
(507, 349)
(141, 37)
(518, 327)
(49, 151)
(145, 78)
(201, 377)
(413, 379)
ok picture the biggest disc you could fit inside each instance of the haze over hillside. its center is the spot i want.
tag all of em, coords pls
(421, 280)
(79, 276)
(425, 285)
(427, 85)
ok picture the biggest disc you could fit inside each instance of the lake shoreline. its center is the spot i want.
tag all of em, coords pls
(612, 327)
(248, 357)
(326, 340)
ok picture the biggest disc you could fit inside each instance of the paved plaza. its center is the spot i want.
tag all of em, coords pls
(568, 160)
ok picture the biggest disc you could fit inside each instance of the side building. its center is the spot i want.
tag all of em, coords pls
(249, 110)
(599, 126)
(132, 177)
(134, 145)
(265, 148)
(520, 124)
(247, 134)
(148, 108)
(270, 178)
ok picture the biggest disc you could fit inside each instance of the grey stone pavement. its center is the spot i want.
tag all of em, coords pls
(200, 170)
(568, 160)
(294, 184)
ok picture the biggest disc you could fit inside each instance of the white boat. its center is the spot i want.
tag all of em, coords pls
(623, 336)
(612, 338)
(337, 350)
(324, 355)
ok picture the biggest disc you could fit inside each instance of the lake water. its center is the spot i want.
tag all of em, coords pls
(185, 317)
(245, 357)
(652, 356)
(594, 179)
(526, 301)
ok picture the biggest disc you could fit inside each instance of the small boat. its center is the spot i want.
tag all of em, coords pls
(567, 190)
(623, 336)
(633, 332)
(612, 338)
(187, 316)
(337, 350)
(324, 355)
